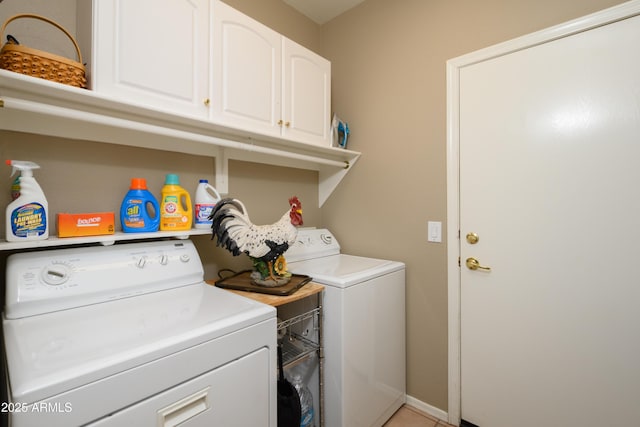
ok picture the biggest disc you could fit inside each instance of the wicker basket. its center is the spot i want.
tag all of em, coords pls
(37, 63)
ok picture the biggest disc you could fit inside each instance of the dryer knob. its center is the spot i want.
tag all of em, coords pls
(55, 275)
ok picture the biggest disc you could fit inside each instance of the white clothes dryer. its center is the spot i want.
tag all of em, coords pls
(131, 335)
(363, 329)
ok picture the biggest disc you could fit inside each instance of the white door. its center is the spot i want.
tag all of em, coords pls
(549, 148)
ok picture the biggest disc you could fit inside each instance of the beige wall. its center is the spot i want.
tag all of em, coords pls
(388, 63)
(39, 34)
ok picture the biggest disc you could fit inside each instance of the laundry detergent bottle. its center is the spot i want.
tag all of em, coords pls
(176, 213)
(28, 215)
(140, 211)
(206, 199)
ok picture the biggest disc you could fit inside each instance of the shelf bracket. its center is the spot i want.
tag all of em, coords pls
(222, 172)
(330, 177)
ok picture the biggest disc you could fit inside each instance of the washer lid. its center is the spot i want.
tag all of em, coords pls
(344, 270)
(56, 352)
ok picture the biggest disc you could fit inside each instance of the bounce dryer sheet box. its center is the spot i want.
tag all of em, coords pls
(85, 224)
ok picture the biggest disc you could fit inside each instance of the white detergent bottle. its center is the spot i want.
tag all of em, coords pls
(28, 215)
(206, 199)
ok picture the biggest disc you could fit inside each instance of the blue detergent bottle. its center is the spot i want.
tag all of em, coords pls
(140, 211)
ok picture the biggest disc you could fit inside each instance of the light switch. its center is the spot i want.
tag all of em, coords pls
(435, 231)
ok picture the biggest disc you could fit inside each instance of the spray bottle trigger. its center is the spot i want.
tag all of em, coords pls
(25, 167)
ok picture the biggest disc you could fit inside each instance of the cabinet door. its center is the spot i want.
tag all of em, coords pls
(306, 95)
(246, 64)
(152, 52)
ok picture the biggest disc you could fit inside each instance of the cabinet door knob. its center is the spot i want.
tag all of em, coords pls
(280, 122)
(207, 101)
(287, 124)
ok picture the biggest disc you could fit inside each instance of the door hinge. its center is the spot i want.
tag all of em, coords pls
(459, 262)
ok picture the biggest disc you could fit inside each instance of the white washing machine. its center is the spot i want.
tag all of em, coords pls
(131, 335)
(363, 329)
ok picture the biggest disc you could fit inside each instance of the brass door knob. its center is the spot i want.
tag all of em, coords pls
(474, 264)
(472, 238)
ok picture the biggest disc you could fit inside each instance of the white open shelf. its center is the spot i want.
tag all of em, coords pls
(38, 106)
(106, 240)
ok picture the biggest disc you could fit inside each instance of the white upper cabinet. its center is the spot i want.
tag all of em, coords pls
(153, 53)
(246, 72)
(266, 83)
(306, 94)
(204, 59)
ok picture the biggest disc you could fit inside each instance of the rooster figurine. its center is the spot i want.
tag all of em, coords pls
(264, 244)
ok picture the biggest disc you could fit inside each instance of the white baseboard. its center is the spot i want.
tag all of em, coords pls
(427, 409)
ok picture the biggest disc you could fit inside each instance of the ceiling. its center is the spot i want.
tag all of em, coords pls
(321, 11)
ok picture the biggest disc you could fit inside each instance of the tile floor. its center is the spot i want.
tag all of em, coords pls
(407, 416)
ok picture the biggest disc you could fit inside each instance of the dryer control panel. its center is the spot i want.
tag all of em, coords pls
(312, 243)
(46, 281)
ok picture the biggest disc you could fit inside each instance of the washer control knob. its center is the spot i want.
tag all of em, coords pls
(142, 261)
(164, 260)
(185, 258)
(55, 275)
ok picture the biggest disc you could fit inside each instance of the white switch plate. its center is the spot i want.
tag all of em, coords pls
(435, 231)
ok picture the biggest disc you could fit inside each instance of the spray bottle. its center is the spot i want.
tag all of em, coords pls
(27, 216)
